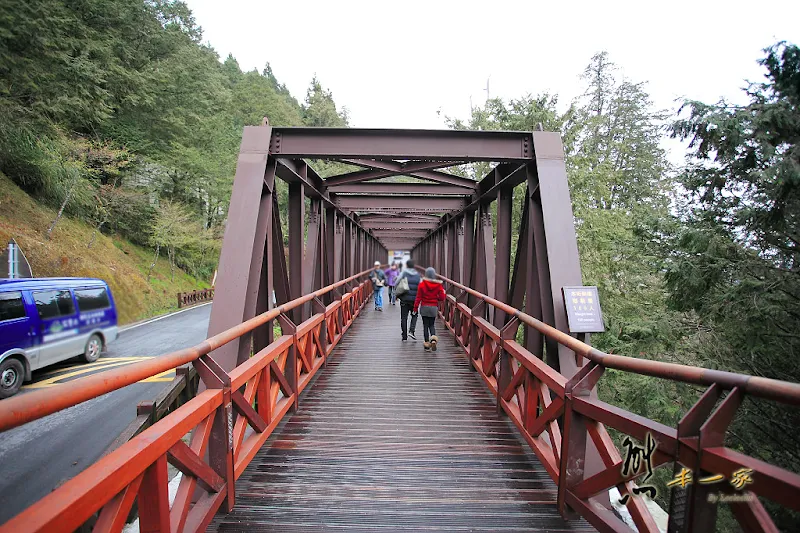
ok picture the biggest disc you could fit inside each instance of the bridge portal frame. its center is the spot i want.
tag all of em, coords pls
(324, 231)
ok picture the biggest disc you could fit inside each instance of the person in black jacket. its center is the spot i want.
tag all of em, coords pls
(407, 300)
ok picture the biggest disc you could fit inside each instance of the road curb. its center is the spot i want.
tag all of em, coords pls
(160, 317)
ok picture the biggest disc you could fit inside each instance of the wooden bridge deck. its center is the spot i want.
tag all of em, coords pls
(391, 437)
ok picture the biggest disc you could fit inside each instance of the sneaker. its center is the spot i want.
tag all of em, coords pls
(411, 334)
(404, 339)
(434, 341)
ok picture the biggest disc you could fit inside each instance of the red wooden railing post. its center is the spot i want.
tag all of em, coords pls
(694, 513)
(573, 444)
(154, 498)
(317, 307)
(220, 443)
(288, 327)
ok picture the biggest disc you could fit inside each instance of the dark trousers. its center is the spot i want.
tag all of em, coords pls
(429, 327)
(392, 297)
(405, 309)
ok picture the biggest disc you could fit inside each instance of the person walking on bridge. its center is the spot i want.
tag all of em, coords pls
(378, 279)
(407, 292)
(391, 281)
(429, 293)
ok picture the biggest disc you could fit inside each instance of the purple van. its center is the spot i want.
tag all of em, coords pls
(47, 320)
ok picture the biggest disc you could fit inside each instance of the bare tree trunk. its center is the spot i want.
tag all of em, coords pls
(105, 211)
(63, 205)
(171, 254)
(95, 232)
(153, 264)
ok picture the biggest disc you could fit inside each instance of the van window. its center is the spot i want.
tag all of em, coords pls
(52, 304)
(92, 299)
(11, 306)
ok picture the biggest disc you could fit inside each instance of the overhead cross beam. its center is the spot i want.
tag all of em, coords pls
(409, 233)
(395, 244)
(399, 216)
(399, 188)
(387, 169)
(417, 169)
(435, 145)
(399, 226)
(399, 203)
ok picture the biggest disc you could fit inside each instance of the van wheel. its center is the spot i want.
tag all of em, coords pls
(12, 374)
(94, 346)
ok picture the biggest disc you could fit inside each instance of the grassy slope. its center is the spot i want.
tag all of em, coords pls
(122, 264)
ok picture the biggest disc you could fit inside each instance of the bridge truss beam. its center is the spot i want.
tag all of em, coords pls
(433, 145)
(259, 268)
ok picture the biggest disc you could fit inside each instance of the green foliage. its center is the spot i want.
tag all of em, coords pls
(187, 242)
(528, 113)
(735, 259)
(131, 214)
(111, 108)
(320, 110)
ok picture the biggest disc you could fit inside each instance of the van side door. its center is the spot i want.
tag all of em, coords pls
(58, 327)
(94, 309)
(16, 327)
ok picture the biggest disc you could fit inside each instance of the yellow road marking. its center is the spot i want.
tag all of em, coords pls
(52, 381)
(159, 378)
(95, 365)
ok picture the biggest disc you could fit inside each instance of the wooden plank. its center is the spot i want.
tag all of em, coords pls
(374, 446)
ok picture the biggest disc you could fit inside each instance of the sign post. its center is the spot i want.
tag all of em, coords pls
(13, 264)
(583, 310)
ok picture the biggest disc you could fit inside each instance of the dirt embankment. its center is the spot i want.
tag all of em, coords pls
(121, 264)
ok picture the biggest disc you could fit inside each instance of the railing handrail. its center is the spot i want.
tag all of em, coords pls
(26, 408)
(773, 389)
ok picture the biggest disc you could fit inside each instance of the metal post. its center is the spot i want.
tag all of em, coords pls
(332, 250)
(534, 340)
(484, 253)
(263, 336)
(502, 271)
(351, 262)
(296, 234)
(12, 260)
(503, 252)
(338, 248)
(467, 258)
(234, 282)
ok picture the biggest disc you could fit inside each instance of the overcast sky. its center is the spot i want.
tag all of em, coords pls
(394, 64)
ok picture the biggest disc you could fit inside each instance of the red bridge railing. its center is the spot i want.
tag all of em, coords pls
(267, 386)
(261, 390)
(535, 397)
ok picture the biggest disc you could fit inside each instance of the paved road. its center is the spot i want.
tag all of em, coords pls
(37, 457)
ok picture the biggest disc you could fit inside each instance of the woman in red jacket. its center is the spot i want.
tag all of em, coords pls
(429, 293)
